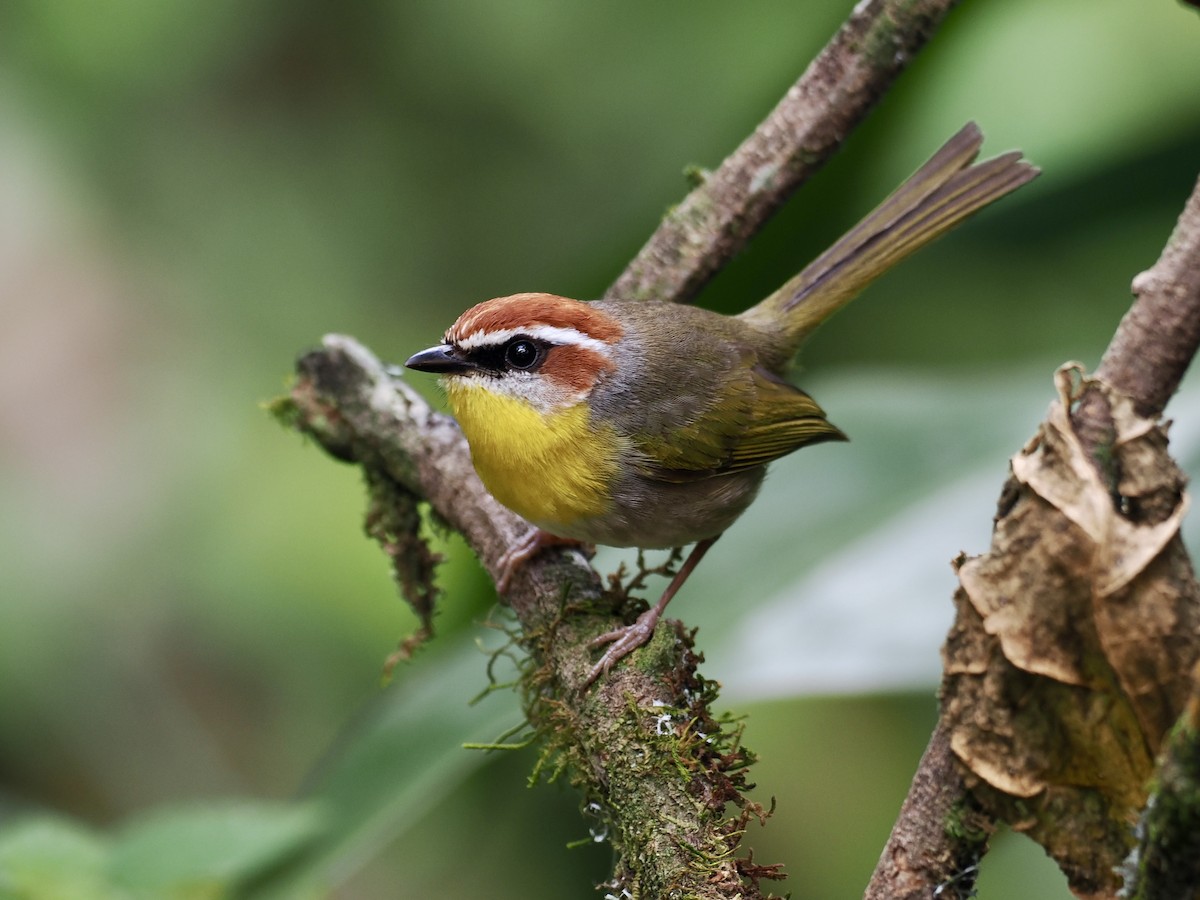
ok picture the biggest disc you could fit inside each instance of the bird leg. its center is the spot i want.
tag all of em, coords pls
(530, 546)
(628, 638)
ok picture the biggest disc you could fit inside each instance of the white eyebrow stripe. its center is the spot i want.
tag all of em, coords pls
(549, 333)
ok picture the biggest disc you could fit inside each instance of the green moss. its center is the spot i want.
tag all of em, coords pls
(659, 781)
(393, 520)
(964, 824)
(1167, 863)
(893, 35)
(696, 175)
(283, 409)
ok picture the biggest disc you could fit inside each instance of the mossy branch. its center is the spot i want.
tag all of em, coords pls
(642, 746)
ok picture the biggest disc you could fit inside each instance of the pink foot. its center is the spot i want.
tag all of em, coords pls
(627, 639)
(530, 546)
(624, 641)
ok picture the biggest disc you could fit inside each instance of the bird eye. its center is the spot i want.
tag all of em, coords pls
(521, 353)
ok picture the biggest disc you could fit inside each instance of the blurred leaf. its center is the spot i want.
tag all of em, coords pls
(403, 756)
(1079, 111)
(206, 850)
(45, 858)
(137, 47)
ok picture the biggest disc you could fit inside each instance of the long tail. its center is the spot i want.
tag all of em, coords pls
(939, 195)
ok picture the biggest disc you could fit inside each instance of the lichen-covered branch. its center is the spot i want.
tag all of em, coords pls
(1075, 633)
(699, 236)
(1074, 639)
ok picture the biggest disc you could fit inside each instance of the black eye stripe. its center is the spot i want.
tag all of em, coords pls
(528, 355)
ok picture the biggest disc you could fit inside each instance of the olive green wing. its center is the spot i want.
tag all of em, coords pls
(759, 419)
(785, 419)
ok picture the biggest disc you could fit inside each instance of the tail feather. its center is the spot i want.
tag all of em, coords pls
(939, 195)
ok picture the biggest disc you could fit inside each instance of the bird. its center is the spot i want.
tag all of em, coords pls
(650, 424)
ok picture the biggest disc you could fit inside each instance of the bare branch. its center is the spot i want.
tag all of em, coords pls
(1159, 336)
(1156, 340)
(939, 836)
(699, 236)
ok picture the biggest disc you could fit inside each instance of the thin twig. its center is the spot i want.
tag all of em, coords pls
(1158, 337)
(939, 836)
(699, 236)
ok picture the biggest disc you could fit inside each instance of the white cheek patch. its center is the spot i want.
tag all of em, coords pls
(543, 394)
(549, 333)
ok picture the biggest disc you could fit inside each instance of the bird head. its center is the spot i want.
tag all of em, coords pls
(544, 351)
(518, 373)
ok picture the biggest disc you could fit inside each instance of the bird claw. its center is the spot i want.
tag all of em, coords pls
(515, 557)
(624, 641)
(530, 546)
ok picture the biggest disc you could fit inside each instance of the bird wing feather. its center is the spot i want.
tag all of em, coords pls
(759, 419)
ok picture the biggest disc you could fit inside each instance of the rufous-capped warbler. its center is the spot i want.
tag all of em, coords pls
(650, 424)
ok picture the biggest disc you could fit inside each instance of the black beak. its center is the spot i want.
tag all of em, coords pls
(442, 360)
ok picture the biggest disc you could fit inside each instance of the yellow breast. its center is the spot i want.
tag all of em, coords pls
(550, 469)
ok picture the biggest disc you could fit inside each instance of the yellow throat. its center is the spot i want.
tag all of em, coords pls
(550, 469)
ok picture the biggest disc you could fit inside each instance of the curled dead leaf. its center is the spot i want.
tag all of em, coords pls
(1074, 635)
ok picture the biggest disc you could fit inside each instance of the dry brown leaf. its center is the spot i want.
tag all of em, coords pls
(1074, 637)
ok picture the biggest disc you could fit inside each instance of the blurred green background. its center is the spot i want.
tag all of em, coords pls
(192, 624)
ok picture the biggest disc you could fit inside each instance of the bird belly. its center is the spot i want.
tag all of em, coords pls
(554, 470)
(561, 472)
(657, 515)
